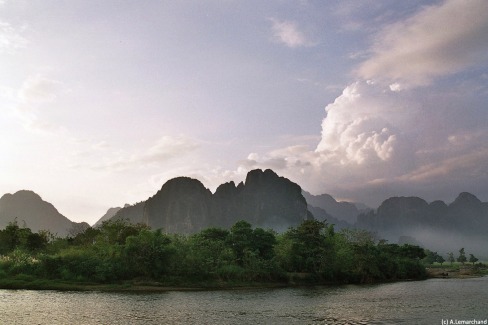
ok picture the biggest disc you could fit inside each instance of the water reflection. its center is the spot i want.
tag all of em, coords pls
(424, 302)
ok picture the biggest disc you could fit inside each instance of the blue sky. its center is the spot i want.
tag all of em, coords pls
(101, 102)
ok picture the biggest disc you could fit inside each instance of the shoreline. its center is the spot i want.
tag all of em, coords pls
(39, 284)
(152, 286)
(453, 273)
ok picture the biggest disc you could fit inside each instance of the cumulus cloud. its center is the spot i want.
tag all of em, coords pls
(363, 126)
(288, 33)
(386, 135)
(377, 142)
(437, 41)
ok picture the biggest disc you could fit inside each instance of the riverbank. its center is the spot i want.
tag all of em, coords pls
(26, 282)
(456, 272)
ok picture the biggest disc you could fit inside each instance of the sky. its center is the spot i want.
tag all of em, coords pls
(102, 102)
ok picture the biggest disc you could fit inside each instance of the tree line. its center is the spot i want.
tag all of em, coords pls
(432, 257)
(119, 251)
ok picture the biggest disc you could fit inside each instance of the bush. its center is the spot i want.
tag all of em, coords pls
(231, 272)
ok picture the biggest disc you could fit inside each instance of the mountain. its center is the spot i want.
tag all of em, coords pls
(184, 205)
(345, 211)
(321, 215)
(30, 210)
(108, 215)
(437, 225)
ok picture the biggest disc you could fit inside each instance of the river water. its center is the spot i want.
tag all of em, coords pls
(419, 302)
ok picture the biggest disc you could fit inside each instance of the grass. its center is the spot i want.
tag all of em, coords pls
(457, 270)
(25, 281)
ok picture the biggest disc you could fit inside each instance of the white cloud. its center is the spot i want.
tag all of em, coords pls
(288, 33)
(437, 41)
(7, 93)
(396, 87)
(377, 143)
(469, 165)
(10, 38)
(39, 89)
(362, 126)
(35, 92)
(166, 149)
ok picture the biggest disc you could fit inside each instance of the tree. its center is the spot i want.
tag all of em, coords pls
(148, 253)
(36, 241)
(240, 239)
(440, 259)
(207, 251)
(433, 257)
(13, 237)
(450, 257)
(412, 251)
(472, 259)
(117, 231)
(430, 258)
(308, 245)
(215, 234)
(263, 242)
(462, 256)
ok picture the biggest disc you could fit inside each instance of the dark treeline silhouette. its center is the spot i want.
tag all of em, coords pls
(119, 251)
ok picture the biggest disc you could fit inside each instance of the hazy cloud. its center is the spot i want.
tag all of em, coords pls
(35, 92)
(288, 33)
(10, 38)
(469, 165)
(7, 93)
(437, 41)
(162, 151)
(167, 147)
(39, 89)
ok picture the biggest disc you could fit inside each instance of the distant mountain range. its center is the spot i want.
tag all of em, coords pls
(184, 205)
(436, 225)
(29, 209)
(344, 211)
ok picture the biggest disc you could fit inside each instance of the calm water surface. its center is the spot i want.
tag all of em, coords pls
(422, 302)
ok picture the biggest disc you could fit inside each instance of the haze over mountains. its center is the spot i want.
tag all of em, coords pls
(184, 205)
(436, 225)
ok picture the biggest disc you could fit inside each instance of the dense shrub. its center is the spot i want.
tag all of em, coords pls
(119, 251)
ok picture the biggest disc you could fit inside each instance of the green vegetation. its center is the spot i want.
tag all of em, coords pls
(456, 267)
(119, 255)
(462, 256)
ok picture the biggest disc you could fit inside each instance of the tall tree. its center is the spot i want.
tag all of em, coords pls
(462, 256)
(472, 259)
(240, 239)
(308, 245)
(440, 259)
(450, 257)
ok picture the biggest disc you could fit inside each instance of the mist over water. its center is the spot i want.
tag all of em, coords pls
(421, 302)
(442, 241)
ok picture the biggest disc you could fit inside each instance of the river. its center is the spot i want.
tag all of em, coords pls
(418, 302)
